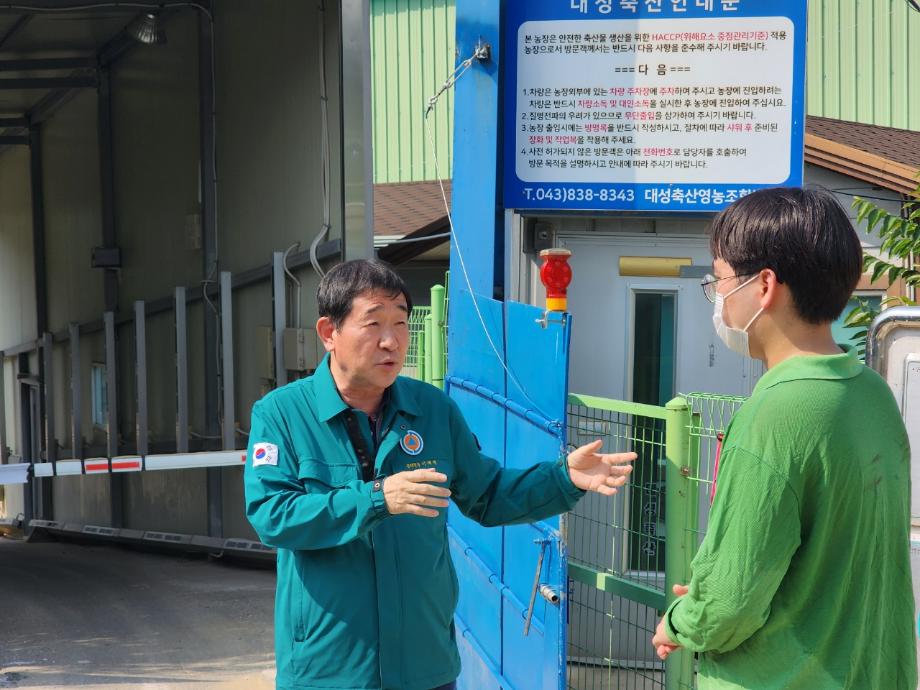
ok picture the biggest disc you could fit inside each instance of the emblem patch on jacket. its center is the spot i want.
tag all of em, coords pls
(264, 454)
(412, 443)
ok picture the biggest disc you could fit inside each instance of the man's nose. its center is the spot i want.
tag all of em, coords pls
(389, 341)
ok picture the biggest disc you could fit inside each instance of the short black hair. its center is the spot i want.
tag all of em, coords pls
(804, 236)
(339, 287)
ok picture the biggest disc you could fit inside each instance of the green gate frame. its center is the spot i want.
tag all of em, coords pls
(692, 424)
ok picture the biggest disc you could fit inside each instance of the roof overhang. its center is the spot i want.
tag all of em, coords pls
(861, 165)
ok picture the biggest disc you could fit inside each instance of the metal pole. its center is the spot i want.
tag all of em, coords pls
(210, 261)
(48, 391)
(140, 364)
(429, 339)
(25, 436)
(111, 394)
(437, 336)
(45, 412)
(881, 329)
(38, 228)
(357, 156)
(280, 318)
(44, 404)
(116, 483)
(226, 328)
(107, 184)
(3, 440)
(181, 372)
(420, 347)
(679, 534)
(76, 394)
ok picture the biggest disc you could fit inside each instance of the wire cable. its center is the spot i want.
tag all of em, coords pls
(297, 283)
(326, 171)
(480, 53)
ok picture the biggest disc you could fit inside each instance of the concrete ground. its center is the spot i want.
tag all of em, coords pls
(106, 617)
(582, 677)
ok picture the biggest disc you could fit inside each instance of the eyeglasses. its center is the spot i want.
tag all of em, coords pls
(709, 284)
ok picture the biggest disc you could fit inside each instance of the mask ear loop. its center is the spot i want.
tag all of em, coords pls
(753, 319)
(732, 292)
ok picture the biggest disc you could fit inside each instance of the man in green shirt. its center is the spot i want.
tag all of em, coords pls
(803, 579)
(348, 475)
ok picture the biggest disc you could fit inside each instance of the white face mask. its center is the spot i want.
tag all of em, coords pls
(736, 339)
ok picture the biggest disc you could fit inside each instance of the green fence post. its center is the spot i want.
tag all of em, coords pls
(429, 341)
(420, 347)
(679, 534)
(437, 340)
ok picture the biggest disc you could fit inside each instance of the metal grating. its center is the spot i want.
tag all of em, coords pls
(617, 546)
(415, 356)
(616, 554)
(709, 418)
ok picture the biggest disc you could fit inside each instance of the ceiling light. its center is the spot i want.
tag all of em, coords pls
(146, 29)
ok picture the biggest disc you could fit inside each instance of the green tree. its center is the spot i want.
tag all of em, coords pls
(900, 248)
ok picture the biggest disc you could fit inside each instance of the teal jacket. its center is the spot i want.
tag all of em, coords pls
(366, 599)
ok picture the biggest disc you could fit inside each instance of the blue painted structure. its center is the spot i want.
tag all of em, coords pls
(516, 414)
(508, 373)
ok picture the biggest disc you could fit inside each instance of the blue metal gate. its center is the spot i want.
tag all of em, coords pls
(512, 579)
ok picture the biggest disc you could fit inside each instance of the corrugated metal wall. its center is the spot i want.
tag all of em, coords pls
(863, 58)
(412, 53)
(864, 61)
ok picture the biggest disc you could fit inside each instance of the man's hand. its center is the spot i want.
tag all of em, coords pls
(600, 472)
(662, 642)
(415, 493)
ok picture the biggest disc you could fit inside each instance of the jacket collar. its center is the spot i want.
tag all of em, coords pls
(329, 403)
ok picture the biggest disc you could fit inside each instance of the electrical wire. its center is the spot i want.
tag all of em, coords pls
(297, 292)
(114, 4)
(480, 52)
(326, 172)
(409, 240)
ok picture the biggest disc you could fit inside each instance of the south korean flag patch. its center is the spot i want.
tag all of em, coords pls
(264, 454)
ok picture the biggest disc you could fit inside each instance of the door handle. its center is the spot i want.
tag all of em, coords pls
(536, 585)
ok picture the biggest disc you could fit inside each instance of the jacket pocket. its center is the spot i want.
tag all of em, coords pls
(324, 474)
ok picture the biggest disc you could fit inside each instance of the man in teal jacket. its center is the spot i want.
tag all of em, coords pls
(803, 579)
(348, 475)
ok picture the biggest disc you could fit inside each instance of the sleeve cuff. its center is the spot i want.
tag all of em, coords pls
(569, 489)
(670, 626)
(378, 501)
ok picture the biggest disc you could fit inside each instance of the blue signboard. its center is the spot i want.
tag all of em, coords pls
(651, 105)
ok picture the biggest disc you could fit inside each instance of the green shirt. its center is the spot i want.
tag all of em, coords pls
(803, 580)
(365, 599)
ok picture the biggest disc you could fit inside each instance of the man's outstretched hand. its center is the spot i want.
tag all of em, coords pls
(600, 472)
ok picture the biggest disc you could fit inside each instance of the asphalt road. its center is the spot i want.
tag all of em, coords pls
(107, 617)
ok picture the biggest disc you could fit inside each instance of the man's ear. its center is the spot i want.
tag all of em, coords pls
(325, 330)
(769, 287)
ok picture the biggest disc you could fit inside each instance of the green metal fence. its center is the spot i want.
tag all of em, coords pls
(415, 356)
(426, 358)
(625, 553)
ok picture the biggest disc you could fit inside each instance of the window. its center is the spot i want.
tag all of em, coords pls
(844, 335)
(100, 399)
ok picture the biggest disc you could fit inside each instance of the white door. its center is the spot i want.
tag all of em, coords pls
(611, 321)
